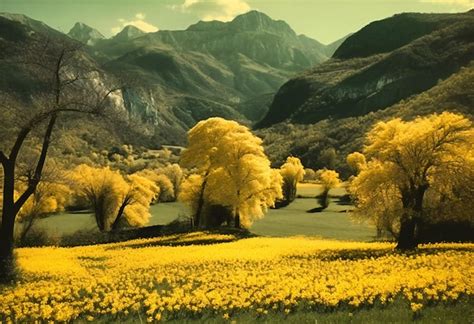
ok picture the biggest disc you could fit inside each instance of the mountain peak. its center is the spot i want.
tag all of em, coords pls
(258, 21)
(85, 34)
(129, 32)
(252, 21)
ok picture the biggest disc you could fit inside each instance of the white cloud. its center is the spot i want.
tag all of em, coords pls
(223, 10)
(137, 21)
(463, 3)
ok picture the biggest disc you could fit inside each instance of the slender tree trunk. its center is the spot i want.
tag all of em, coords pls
(237, 218)
(324, 199)
(116, 223)
(200, 206)
(8, 223)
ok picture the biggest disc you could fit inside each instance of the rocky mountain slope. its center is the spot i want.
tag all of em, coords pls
(176, 78)
(312, 142)
(381, 71)
(223, 63)
(85, 34)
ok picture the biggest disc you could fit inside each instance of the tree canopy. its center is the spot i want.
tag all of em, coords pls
(234, 171)
(413, 165)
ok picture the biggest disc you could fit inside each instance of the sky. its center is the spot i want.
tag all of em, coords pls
(324, 20)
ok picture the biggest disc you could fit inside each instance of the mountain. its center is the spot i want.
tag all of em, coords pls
(85, 34)
(224, 63)
(129, 32)
(13, 24)
(389, 34)
(367, 79)
(347, 135)
(176, 78)
(332, 47)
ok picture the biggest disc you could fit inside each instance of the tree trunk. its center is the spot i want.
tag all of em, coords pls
(116, 223)
(324, 199)
(406, 238)
(8, 223)
(413, 205)
(237, 220)
(200, 206)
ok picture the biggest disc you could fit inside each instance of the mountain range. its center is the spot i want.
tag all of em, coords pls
(257, 70)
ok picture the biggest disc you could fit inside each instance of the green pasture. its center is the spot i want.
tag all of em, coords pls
(333, 223)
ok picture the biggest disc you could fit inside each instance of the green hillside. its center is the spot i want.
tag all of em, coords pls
(346, 135)
(351, 87)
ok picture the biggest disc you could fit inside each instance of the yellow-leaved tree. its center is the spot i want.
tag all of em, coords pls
(175, 175)
(356, 161)
(292, 172)
(413, 167)
(165, 188)
(135, 202)
(233, 170)
(49, 197)
(328, 179)
(111, 196)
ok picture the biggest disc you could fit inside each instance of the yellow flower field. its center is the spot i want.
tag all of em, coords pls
(263, 275)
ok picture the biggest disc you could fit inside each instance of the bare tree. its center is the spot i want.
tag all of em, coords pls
(66, 82)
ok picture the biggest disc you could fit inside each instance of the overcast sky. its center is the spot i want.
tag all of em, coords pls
(324, 20)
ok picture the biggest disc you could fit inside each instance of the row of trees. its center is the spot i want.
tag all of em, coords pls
(116, 199)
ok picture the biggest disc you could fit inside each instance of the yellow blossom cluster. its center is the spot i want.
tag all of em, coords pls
(150, 280)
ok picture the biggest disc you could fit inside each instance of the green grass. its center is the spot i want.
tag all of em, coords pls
(398, 312)
(332, 223)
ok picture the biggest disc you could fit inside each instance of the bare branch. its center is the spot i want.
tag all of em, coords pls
(3, 158)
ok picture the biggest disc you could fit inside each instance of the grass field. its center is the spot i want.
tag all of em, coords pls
(283, 280)
(333, 223)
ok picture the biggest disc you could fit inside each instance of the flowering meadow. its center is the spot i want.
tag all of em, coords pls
(172, 278)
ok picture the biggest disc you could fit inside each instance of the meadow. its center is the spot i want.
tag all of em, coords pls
(333, 223)
(294, 279)
(301, 268)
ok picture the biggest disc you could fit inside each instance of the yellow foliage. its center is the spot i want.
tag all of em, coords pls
(292, 172)
(191, 190)
(141, 191)
(48, 198)
(328, 178)
(165, 189)
(111, 195)
(252, 275)
(236, 172)
(174, 174)
(421, 168)
(356, 161)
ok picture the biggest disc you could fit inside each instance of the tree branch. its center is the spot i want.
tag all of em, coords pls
(35, 179)
(3, 158)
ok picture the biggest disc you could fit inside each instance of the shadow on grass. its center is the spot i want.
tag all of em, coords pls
(315, 210)
(365, 254)
(186, 238)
